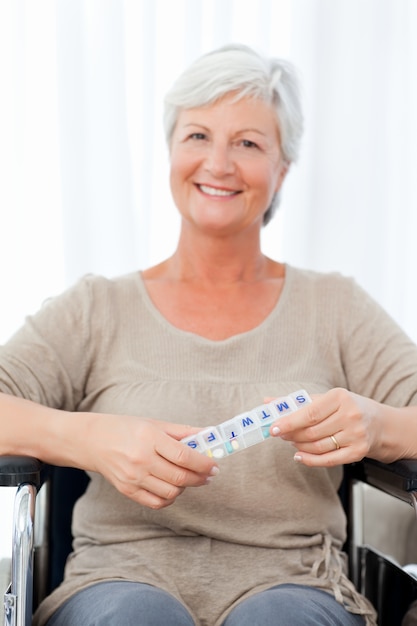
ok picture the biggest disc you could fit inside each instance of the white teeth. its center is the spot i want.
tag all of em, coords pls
(212, 191)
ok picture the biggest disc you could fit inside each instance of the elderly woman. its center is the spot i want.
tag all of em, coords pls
(104, 376)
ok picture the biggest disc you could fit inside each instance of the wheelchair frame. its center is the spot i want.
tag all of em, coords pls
(398, 479)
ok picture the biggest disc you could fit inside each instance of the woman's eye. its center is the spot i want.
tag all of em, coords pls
(246, 143)
(198, 136)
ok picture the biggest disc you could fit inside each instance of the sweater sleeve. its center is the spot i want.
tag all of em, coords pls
(379, 359)
(47, 360)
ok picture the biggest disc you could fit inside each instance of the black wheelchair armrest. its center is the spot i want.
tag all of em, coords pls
(377, 575)
(15, 470)
(399, 479)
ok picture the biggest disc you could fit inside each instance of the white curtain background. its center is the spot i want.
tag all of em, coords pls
(84, 166)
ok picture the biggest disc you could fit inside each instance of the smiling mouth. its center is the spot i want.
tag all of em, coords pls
(214, 191)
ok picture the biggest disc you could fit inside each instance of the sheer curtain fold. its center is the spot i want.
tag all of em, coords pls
(354, 190)
(97, 187)
(30, 173)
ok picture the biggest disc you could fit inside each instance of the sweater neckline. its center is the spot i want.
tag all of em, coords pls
(268, 319)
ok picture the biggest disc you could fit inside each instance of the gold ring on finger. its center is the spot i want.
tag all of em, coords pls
(336, 443)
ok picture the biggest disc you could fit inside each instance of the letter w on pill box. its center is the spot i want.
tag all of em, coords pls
(246, 429)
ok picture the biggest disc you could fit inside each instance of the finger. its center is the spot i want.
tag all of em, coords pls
(312, 434)
(161, 488)
(302, 425)
(343, 455)
(179, 431)
(149, 499)
(311, 422)
(181, 456)
(177, 476)
(327, 444)
(330, 459)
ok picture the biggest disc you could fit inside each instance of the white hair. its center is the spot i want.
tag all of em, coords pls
(239, 69)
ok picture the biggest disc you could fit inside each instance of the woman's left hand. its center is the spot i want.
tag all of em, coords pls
(337, 427)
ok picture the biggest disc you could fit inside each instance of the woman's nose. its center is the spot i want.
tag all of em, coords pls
(219, 161)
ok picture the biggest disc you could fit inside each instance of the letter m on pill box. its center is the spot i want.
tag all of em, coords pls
(246, 429)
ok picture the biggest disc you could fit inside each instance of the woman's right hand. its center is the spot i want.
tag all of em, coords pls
(144, 458)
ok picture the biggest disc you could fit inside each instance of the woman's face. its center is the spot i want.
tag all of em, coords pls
(226, 164)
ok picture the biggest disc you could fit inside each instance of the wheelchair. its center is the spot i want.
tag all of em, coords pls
(39, 553)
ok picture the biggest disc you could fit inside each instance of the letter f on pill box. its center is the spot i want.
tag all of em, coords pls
(246, 429)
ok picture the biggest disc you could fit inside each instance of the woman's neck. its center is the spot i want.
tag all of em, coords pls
(217, 262)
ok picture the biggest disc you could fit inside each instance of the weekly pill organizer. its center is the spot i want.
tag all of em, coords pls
(246, 429)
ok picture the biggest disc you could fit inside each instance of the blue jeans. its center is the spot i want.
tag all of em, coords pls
(136, 604)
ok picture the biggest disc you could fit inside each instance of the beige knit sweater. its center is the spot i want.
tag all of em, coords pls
(102, 346)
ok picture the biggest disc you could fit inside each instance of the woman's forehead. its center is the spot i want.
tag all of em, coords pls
(245, 110)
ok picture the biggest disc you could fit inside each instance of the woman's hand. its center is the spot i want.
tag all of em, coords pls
(337, 427)
(144, 459)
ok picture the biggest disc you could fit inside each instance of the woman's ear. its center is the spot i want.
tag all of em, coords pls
(285, 166)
